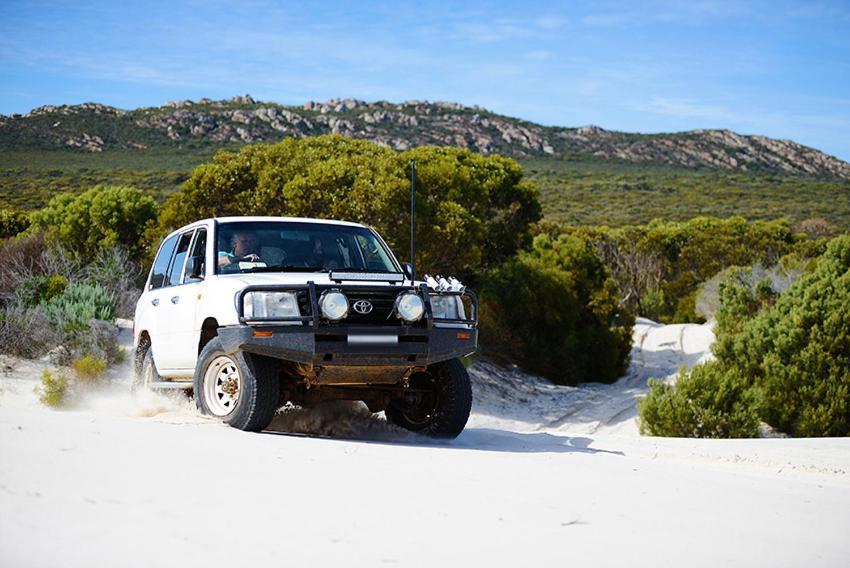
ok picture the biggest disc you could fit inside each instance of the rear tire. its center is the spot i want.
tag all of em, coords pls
(238, 388)
(145, 371)
(439, 403)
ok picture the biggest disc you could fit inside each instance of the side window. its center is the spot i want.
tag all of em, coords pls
(160, 265)
(179, 259)
(197, 258)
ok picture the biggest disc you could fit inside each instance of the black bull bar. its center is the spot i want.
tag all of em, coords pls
(346, 346)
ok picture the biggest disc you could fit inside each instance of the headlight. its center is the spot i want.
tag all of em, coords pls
(446, 307)
(333, 305)
(270, 305)
(409, 306)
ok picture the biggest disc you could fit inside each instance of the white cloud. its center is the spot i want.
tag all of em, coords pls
(688, 108)
(539, 55)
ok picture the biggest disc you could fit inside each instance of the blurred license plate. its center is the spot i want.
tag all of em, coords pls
(372, 339)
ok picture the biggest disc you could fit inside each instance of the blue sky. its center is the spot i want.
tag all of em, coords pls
(780, 69)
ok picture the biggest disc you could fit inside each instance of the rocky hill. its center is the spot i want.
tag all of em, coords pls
(93, 127)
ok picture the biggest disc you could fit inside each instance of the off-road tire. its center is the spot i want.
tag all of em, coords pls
(259, 392)
(144, 371)
(453, 404)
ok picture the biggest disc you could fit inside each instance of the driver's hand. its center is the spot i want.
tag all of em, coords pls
(252, 257)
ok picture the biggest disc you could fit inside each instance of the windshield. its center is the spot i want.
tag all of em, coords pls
(287, 246)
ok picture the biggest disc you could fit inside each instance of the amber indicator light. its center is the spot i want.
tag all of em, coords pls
(261, 333)
(464, 335)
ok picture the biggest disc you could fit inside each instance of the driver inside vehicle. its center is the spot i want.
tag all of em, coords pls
(245, 247)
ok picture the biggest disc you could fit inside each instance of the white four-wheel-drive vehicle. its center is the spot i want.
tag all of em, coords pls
(254, 312)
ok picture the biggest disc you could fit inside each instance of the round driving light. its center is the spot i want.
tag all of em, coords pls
(334, 305)
(409, 306)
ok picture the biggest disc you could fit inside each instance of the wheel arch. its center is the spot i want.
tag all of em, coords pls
(209, 329)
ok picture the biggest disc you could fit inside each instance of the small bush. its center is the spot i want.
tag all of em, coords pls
(815, 228)
(702, 404)
(99, 340)
(39, 289)
(78, 304)
(27, 332)
(652, 304)
(119, 275)
(89, 369)
(53, 390)
(12, 223)
(21, 260)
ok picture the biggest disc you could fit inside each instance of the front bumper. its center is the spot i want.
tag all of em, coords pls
(352, 346)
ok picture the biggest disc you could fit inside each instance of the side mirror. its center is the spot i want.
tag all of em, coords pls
(407, 268)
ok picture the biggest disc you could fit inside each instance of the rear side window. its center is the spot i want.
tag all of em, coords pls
(195, 265)
(179, 259)
(160, 265)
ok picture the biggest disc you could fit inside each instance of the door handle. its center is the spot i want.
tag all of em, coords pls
(155, 301)
(175, 299)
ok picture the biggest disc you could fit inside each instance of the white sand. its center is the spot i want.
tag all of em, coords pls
(543, 474)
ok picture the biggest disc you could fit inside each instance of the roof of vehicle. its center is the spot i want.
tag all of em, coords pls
(295, 219)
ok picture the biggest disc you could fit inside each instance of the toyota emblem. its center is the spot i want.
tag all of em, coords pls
(363, 306)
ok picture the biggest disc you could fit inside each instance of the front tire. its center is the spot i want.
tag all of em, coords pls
(238, 388)
(438, 403)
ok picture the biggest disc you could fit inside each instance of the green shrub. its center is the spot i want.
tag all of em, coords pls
(473, 211)
(652, 304)
(78, 304)
(12, 223)
(686, 309)
(98, 219)
(675, 258)
(89, 369)
(53, 390)
(785, 358)
(797, 351)
(705, 403)
(39, 289)
(554, 311)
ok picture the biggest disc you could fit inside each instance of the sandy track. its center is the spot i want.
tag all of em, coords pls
(542, 474)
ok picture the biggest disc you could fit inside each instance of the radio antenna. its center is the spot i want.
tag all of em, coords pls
(412, 218)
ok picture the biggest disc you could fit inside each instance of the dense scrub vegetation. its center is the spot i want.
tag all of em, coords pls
(616, 194)
(98, 219)
(558, 300)
(473, 212)
(28, 180)
(660, 267)
(55, 302)
(554, 310)
(781, 358)
(576, 191)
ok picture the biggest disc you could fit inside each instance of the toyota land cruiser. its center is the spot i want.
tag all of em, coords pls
(254, 312)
